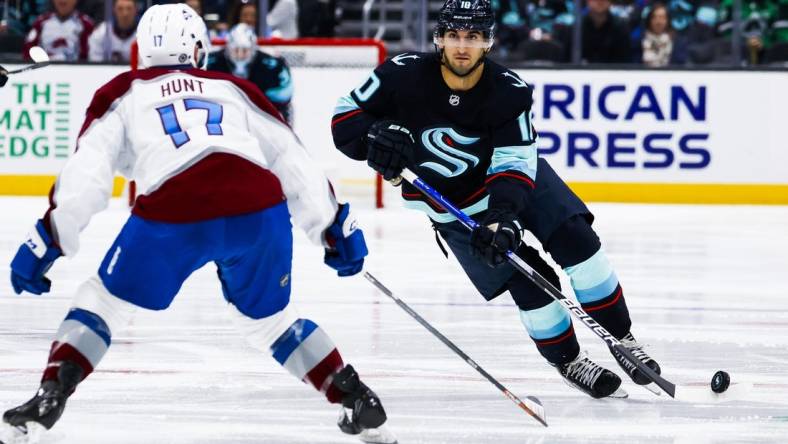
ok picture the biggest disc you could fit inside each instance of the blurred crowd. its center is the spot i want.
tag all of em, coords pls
(75, 30)
(654, 33)
(650, 32)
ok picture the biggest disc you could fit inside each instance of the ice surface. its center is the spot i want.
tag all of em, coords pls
(705, 286)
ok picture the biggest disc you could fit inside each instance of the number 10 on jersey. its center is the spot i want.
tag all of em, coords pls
(169, 120)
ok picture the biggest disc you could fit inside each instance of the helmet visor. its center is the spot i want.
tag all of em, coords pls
(454, 40)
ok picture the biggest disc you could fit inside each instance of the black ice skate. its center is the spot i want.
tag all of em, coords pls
(591, 378)
(362, 413)
(45, 408)
(637, 351)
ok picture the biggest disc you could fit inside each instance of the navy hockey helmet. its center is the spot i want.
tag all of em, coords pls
(476, 15)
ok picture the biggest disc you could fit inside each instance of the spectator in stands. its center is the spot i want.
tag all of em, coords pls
(658, 38)
(511, 18)
(244, 11)
(195, 4)
(632, 12)
(62, 33)
(550, 30)
(243, 58)
(605, 38)
(317, 18)
(123, 25)
(10, 22)
(779, 25)
(16, 19)
(758, 29)
(93, 9)
(283, 19)
(682, 13)
(22, 14)
(547, 15)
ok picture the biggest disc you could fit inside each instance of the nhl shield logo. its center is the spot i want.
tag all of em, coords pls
(454, 100)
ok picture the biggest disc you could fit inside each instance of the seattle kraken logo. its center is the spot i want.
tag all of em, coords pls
(440, 141)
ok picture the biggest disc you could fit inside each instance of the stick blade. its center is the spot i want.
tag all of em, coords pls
(537, 408)
(38, 55)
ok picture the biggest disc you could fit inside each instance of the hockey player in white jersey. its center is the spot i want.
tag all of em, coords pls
(220, 175)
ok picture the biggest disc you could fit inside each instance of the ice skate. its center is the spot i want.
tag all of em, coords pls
(362, 413)
(637, 351)
(591, 378)
(46, 407)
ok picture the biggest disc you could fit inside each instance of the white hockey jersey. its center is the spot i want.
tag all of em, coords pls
(63, 39)
(155, 124)
(119, 45)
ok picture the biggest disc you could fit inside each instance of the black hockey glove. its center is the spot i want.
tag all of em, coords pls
(389, 148)
(497, 233)
(3, 76)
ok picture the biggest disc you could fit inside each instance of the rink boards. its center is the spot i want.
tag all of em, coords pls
(620, 136)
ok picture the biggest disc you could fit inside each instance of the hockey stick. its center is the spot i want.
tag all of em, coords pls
(544, 284)
(40, 59)
(531, 405)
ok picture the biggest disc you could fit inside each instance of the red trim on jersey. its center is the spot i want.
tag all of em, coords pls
(87, 29)
(565, 336)
(37, 27)
(120, 85)
(345, 117)
(319, 376)
(65, 352)
(231, 184)
(590, 309)
(219, 185)
(472, 197)
(111, 91)
(46, 221)
(422, 198)
(525, 179)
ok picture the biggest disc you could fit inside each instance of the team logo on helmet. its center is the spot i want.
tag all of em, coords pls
(474, 15)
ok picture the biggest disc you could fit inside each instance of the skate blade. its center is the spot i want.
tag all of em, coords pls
(653, 388)
(380, 435)
(34, 432)
(10, 434)
(30, 433)
(619, 394)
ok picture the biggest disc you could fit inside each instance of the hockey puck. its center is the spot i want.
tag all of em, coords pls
(720, 381)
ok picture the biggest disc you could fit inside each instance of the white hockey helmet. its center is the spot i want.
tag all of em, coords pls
(241, 43)
(167, 35)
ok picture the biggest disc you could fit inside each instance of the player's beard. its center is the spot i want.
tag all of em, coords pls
(458, 71)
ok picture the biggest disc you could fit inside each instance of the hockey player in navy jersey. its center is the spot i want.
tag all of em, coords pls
(463, 124)
(243, 58)
(220, 175)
